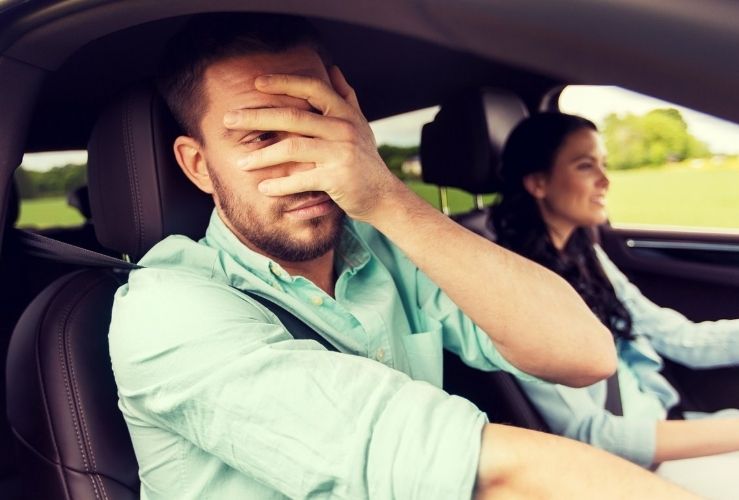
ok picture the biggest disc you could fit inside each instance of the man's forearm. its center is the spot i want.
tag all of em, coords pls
(519, 463)
(535, 318)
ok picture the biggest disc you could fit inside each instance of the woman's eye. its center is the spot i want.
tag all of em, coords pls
(584, 166)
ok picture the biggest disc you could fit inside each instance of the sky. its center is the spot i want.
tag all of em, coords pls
(590, 101)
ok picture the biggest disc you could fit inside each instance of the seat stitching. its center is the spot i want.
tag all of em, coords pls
(70, 400)
(39, 372)
(133, 180)
(83, 418)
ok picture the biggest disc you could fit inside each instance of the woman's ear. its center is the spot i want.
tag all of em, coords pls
(536, 184)
(191, 160)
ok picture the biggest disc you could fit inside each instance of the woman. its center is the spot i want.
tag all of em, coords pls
(555, 184)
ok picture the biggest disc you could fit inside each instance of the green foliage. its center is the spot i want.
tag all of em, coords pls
(55, 182)
(394, 156)
(658, 137)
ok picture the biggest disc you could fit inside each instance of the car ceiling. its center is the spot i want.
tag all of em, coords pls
(391, 73)
(400, 55)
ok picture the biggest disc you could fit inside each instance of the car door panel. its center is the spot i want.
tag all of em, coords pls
(695, 273)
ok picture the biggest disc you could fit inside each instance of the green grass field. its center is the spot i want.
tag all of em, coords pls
(48, 212)
(693, 193)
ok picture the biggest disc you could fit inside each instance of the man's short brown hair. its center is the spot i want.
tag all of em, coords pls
(209, 38)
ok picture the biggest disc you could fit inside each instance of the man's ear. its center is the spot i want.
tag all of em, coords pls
(191, 160)
(536, 185)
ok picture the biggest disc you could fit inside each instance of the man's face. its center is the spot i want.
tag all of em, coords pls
(290, 228)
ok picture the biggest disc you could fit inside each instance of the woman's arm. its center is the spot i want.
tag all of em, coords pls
(580, 414)
(708, 344)
(678, 439)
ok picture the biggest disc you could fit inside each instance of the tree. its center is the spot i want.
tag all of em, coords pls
(55, 182)
(655, 138)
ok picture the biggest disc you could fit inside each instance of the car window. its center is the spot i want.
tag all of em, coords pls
(668, 165)
(47, 185)
(398, 138)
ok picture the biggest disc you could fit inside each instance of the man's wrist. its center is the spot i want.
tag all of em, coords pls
(397, 204)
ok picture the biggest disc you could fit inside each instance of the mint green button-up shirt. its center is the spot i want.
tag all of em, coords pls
(221, 402)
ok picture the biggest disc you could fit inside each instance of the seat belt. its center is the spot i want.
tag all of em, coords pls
(50, 249)
(613, 396)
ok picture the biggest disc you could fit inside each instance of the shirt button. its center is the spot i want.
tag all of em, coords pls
(275, 270)
(317, 300)
(380, 354)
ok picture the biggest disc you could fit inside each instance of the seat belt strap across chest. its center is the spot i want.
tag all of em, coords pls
(48, 248)
(613, 395)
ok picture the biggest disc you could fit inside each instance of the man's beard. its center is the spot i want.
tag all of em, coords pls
(268, 236)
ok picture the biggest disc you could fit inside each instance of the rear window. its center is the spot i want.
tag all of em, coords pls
(49, 186)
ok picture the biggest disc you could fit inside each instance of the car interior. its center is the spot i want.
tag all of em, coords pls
(77, 75)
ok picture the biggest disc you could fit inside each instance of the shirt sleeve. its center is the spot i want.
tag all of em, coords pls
(574, 413)
(202, 361)
(429, 309)
(707, 344)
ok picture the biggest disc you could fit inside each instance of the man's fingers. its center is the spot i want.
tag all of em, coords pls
(342, 87)
(292, 149)
(298, 182)
(317, 92)
(294, 120)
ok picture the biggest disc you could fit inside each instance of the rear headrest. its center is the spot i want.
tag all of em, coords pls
(138, 194)
(461, 148)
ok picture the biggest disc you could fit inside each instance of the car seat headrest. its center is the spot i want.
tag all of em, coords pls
(461, 147)
(138, 194)
(80, 199)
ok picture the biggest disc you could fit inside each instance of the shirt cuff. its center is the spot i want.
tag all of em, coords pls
(634, 439)
(425, 445)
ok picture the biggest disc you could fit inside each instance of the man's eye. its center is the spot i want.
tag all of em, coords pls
(262, 137)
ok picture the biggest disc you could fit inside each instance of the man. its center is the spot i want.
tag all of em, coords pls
(222, 402)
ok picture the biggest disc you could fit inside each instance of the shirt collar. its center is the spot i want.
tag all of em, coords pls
(352, 254)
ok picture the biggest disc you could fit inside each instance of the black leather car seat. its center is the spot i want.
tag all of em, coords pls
(461, 148)
(62, 402)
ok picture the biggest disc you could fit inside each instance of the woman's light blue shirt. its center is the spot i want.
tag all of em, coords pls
(646, 395)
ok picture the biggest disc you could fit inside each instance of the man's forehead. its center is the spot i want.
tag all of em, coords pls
(233, 78)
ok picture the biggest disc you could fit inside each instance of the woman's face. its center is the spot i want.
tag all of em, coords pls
(573, 193)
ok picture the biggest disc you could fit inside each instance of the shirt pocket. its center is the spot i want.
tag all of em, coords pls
(425, 355)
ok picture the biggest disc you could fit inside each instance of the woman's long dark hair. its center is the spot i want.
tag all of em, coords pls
(532, 147)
